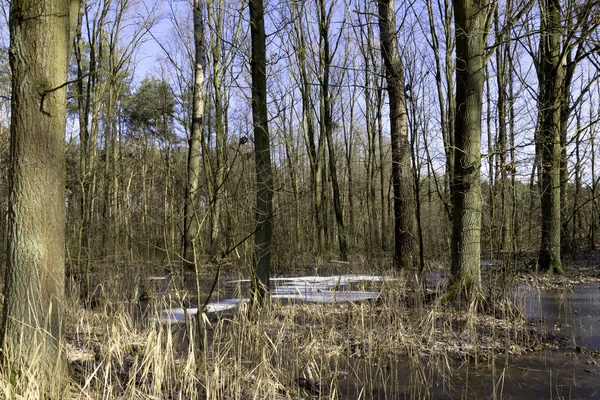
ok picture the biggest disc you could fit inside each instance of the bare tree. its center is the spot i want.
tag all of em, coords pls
(503, 167)
(373, 92)
(190, 229)
(472, 24)
(315, 143)
(223, 39)
(444, 72)
(551, 75)
(326, 53)
(32, 328)
(262, 154)
(405, 245)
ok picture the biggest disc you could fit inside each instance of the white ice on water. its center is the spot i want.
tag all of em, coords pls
(313, 289)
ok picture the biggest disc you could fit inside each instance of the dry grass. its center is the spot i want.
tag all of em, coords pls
(401, 345)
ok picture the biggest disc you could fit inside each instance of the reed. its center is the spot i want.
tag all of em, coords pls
(404, 344)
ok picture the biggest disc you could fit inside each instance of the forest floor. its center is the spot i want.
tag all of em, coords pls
(403, 344)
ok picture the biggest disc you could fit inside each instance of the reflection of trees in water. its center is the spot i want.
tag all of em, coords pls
(571, 313)
(559, 305)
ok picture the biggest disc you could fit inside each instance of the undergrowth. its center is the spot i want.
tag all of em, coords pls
(404, 344)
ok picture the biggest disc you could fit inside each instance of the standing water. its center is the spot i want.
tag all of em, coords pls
(564, 364)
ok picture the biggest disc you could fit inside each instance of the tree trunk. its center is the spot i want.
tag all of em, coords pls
(493, 245)
(216, 18)
(326, 123)
(514, 223)
(262, 154)
(384, 198)
(471, 32)
(405, 246)
(291, 156)
(447, 111)
(593, 190)
(576, 225)
(86, 102)
(308, 124)
(379, 223)
(349, 150)
(502, 75)
(32, 326)
(551, 80)
(83, 104)
(372, 222)
(190, 230)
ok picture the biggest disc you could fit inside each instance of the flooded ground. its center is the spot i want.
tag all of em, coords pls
(543, 375)
(570, 312)
(567, 369)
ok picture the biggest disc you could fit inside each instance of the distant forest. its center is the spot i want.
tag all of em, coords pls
(329, 127)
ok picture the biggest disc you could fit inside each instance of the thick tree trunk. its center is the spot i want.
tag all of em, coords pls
(262, 154)
(34, 293)
(551, 80)
(190, 230)
(405, 249)
(471, 33)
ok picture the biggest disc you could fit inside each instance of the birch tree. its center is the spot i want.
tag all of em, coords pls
(190, 229)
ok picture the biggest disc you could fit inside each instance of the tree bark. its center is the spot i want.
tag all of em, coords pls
(190, 230)
(41, 35)
(551, 81)
(262, 154)
(216, 18)
(405, 245)
(471, 32)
